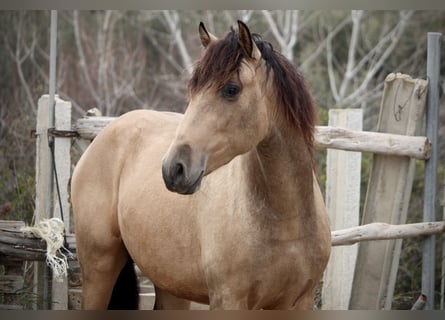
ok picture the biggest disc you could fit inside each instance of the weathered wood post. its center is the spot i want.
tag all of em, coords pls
(343, 170)
(43, 189)
(430, 191)
(62, 163)
(53, 292)
(389, 188)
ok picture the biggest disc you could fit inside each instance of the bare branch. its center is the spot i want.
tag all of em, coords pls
(102, 48)
(82, 59)
(228, 16)
(331, 74)
(19, 59)
(356, 16)
(273, 27)
(309, 60)
(245, 15)
(165, 54)
(172, 19)
(293, 29)
(394, 35)
(305, 21)
(286, 33)
(106, 60)
(356, 77)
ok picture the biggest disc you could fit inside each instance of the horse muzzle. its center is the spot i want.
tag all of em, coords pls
(183, 170)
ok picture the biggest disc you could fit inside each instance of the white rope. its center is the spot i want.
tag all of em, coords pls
(51, 230)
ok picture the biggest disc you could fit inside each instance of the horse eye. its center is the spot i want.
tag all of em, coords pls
(230, 91)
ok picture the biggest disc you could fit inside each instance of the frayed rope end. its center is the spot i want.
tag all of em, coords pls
(52, 231)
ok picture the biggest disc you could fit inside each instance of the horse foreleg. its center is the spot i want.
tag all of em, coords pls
(167, 301)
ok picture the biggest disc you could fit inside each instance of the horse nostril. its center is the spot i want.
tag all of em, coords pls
(179, 170)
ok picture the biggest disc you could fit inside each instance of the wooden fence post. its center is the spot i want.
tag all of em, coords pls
(343, 205)
(43, 204)
(62, 151)
(389, 188)
(52, 293)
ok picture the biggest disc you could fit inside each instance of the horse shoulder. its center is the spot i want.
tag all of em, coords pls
(98, 172)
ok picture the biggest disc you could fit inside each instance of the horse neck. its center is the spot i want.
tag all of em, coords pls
(280, 171)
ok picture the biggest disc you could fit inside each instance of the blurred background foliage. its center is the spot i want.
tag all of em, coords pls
(122, 60)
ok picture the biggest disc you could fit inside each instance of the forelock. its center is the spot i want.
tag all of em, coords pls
(220, 62)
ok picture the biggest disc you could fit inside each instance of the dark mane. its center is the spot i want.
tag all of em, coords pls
(222, 60)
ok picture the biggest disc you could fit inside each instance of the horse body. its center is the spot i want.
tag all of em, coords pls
(245, 227)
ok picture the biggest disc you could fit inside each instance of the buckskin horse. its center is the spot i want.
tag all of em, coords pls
(219, 205)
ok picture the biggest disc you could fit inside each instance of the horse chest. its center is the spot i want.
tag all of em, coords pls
(263, 275)
(243, 248)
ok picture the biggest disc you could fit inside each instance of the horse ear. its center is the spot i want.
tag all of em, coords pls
(246, 42)
(205, 36)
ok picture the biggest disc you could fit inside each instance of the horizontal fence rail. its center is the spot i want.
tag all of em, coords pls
(385, 231)
(417, 147)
